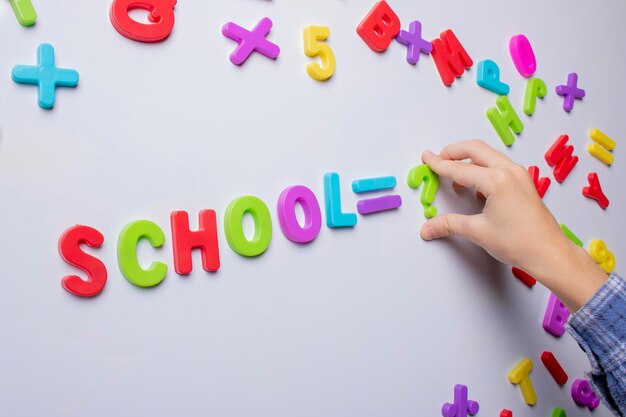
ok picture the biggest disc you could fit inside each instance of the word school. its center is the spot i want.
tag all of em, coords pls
(205, 239)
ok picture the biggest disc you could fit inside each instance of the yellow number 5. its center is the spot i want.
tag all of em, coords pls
(313, 35)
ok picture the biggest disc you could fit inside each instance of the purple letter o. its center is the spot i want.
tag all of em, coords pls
(287, 214)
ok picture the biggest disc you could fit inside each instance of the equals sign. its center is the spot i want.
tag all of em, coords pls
(377, 204)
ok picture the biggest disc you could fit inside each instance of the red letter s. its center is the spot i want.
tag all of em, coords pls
(69, 248)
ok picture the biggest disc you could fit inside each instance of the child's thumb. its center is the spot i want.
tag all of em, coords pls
(448, 225)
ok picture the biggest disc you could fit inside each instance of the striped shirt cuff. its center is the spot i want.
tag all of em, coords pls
(599, 327)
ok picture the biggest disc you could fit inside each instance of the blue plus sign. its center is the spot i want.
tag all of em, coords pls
(45, 76)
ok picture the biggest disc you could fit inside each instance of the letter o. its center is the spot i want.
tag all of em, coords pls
(233, 226)
(523, 55)
(287, 215)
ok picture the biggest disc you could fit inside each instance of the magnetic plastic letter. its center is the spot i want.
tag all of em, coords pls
(602, 139)
(184, 240)
(602, 255)
(602, 147)
(488, 77)
(541, 184)
(332, 196)
(523, 55)
(505, 121)
(556, 316)
(24, 12)
(583, 394)
(600, 154)
(520, 375)
(560, 156)
(160, 13)
(462, 406)
(526, 278)
(571, 236)
(450, 57)
(558, 412)
(233, 226)
(535, 88)
(379, 27)
(554, 367)
(313, 46)
(594, 191)
(127, 253)
(69, 248)
(287, 216)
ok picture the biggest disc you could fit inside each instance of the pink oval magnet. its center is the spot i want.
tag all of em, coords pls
(523, 55)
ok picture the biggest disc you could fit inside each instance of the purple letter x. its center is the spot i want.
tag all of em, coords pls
(570, 92)
(250, 41)
(414, 42)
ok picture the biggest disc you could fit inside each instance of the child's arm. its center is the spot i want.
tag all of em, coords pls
(515, 227)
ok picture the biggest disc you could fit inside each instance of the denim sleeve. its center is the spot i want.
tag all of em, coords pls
(599, 327)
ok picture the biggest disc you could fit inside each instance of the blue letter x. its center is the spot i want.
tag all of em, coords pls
(45, 76)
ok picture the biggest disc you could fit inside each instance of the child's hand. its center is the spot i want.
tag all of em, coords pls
(515, 226)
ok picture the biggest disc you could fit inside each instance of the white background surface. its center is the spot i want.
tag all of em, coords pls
(364, 322)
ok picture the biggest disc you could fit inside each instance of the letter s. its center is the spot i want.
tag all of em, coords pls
(69, 248)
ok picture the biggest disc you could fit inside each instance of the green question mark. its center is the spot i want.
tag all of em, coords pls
(422, 174)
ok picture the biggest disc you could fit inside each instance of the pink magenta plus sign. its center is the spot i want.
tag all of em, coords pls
(250, 41)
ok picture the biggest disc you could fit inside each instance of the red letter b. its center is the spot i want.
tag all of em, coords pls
(379, 27)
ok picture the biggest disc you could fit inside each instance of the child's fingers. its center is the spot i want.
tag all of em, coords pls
(457, 186)
(448, 225)
(477, 151)
(463, 173)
